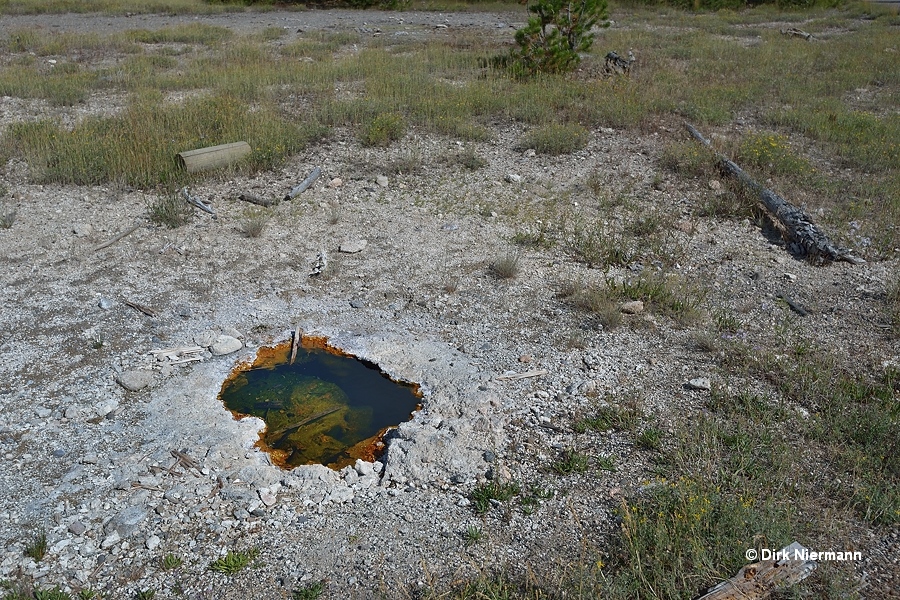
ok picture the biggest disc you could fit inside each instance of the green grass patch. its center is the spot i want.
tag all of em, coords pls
(234, 561)
(482, 495)
(383, 130)
(139, 146)
(570, 462)
(190, 33)
(555, 139)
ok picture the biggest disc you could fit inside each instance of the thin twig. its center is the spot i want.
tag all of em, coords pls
(117, 238)
(144, 309)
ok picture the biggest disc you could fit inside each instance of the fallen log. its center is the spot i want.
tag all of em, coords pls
(304, 184)
(794, 32)
(254, 199)
(805, 238)
(760, 580)
(194, 201)
(525, 375)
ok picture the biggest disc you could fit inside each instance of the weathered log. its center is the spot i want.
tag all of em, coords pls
(212, 157)
(254, 199)
(194, 201)
(616, 64)
(304, 184)
(794, 32)
(298, 335)
(804, 236)
(759, 580)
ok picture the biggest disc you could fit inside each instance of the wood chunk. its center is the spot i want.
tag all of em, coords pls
(759, 580)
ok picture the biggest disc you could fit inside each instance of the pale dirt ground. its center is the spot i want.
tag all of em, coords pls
(424, 231)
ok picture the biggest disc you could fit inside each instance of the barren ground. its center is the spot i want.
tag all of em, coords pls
(420, 299)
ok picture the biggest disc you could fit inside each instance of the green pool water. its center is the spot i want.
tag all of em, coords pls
(324, 408)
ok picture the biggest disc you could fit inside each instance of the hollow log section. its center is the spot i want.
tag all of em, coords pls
(213, 157)
(760, 580)
(804, 236)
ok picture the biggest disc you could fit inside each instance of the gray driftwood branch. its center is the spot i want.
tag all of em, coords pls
(804, 236)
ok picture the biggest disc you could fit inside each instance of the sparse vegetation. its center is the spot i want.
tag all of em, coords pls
(473, 535)
(170, 562)
(254, 222)
(148, 594)
(37, 547)
(570, 462)
(51, 594)
(234, 561)
(555, 139)
(483, 494)
(649, 439)
(728, 478)
(383, 129)
(310, 591)
(506, 266)
(170, 210)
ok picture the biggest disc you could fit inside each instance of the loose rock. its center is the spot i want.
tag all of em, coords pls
(353, 246)
(135, 380)
(699, 383)
(635, 307)
(225, 344)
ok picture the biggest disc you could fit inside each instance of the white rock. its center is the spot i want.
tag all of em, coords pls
(700, 383)
(152, 542)
(82, 229)
(135, 379)
(104, 407)
(364, 468)
(513, 178)
(225, 344)
(353, 246)
(111, 540)
(267, 497)
(635, 307)
(42, 412)
(382, 181)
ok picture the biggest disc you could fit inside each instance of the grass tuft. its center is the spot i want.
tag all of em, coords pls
(506, 266)
(170, 211)
(234, 561)
(37, 548)
(383, 130)
(482, 495)
(473, 535)
(170, 562)
(254, 222)
(571, 462)
(310, 591)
